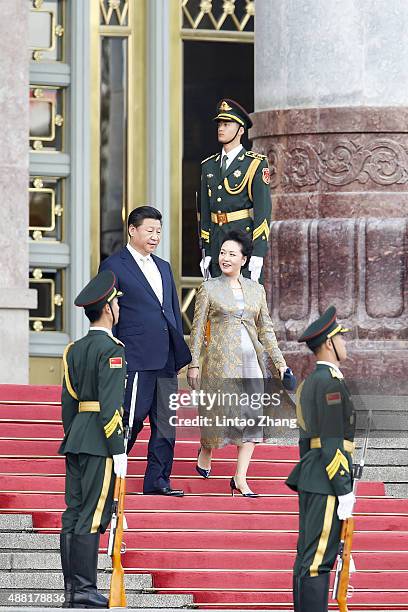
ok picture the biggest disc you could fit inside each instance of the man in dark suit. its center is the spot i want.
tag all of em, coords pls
(150, 328)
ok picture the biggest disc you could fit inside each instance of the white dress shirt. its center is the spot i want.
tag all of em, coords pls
(150, 270)
(332, 365)
(231, 155)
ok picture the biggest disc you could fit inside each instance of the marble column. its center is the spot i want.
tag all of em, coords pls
(15, 297)
(331, 114)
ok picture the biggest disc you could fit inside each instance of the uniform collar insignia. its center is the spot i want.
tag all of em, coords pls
(336, 373)
(241, 157)
(334, 370)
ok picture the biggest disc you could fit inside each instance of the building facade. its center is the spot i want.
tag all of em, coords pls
(119, 113)
(121, 97)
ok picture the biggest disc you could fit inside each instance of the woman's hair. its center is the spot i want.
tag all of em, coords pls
(243, 239)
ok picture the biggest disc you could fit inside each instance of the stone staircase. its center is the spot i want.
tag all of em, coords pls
(387, 455)
(31, 572)
(227, 553)
(387, 460)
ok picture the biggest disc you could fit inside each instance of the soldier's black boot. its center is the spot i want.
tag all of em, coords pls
(84, 560)
(65, 551)
(314, 593)
(296, 605)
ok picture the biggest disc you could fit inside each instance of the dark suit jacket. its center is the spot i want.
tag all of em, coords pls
(146, 326)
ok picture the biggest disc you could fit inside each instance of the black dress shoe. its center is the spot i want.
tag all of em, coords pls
(166, 491)
(204, 473)
(235, 488)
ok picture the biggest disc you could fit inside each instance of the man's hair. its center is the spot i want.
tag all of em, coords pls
(316, 350)
(94, 315)
(244, 241)
(137, 216)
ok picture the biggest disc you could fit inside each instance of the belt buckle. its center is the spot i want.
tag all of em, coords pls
(222, 218)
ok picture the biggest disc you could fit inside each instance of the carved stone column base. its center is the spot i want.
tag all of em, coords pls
(339, 235)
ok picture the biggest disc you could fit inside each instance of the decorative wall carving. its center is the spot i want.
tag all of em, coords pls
(235, 15)
(339, 233)
(357, 264)
(337, 161)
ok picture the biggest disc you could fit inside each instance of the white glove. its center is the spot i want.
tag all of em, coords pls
(120, 465)
(255, 267)
(204, 265)
(346, 505)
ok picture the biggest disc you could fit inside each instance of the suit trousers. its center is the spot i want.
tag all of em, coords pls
(89, 484)
(149, 391)
(319, 534)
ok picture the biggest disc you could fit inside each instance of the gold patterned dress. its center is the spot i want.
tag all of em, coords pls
(241, 336)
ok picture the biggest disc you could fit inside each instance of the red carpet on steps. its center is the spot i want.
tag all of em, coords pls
(228, 552)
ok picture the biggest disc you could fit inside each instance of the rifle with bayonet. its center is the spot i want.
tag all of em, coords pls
(116, 546)
(206, 272)
(117, 595)
(342, 577)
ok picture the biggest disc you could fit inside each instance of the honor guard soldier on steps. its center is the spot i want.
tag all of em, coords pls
(324, 476)
(235, 192)
(92, 396)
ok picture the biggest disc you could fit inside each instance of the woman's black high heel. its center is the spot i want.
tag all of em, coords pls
(204, 473)
(235, 488)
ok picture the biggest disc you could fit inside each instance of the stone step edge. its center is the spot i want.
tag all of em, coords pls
(21, 522)
(32, 609)
(150, 601)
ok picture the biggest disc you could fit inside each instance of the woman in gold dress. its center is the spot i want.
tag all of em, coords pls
(241, 332)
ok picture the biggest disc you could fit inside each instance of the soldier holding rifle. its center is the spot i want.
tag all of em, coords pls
(235, 193)
(324, 476)
(92, 396)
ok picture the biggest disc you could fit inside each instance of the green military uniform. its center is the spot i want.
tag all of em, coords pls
(326, 422)
(92, 396)
(239, 199)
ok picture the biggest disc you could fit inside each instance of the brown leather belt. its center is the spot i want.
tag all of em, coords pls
(223, 217)
(89, 407)
(348, 446)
